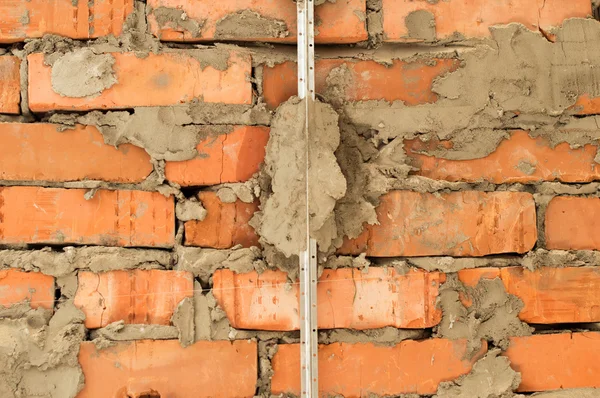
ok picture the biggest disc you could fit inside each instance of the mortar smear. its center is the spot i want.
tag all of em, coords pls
(516, 78)
(491, 377)
(95, 259)
(421, 25)
(187, 210)
(571, 393)
(39, 352)
(282, 221)
(82, 73)
(247, 23)
(177, 19)
(492, 316)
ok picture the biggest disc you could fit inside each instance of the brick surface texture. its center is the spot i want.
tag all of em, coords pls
(152, 183)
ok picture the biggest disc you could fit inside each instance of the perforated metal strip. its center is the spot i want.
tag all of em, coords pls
(308, 258)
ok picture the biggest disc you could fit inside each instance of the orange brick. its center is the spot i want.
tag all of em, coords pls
(410, 82)
(471, 277)
(455, 224)
(17, 286)
(75, 19)
(10, 83)
(340, 22)
(64, 216)
(232, 157)
(555, 295)
(357, 370)
(550, 295)
(473, 18)
(225, 225)
(40, 152)
(587, 105)
(347, 298)
(162, 368)
(517, 159)
(138, 296)
(556, 361)
(572, 223)
(157, 80)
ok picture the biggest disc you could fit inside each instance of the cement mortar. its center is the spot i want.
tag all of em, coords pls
(177, 19)
(204, 262)
(82, 73)
(39, 353)
(516, 79)
(493, 315)
(95, 259)
(282, 221)
(119, 331)
(247, 23)
(187, 210)
(491, 377)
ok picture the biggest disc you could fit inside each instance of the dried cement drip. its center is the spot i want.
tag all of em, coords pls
(281, 222)
(82, 73)
(183, 320)
(247, 23)
(491, 377)
(492, 316)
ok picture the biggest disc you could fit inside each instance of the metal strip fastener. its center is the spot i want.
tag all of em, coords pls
(308, 257)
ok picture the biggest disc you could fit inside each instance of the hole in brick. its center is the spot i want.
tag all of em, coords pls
(148, 394)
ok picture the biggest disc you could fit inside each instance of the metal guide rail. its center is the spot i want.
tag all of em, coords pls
(308, 258)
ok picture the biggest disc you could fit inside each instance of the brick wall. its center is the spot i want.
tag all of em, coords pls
(140, 144)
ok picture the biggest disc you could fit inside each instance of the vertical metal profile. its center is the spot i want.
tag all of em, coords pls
(308, 258)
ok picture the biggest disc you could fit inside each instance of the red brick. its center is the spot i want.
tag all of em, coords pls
(136, 297)
(572, 223)
(40, 152)
(163, 367)
(10, 83)
(225, 225)
(232, 157)
(347, 298)
(550, 295)
(556, 361)
(455, 224)
(64, 216)
(357, 370)
(75, 19)
(473, 18)
(519, 158)
(410, 82)
(340, 21)
(157, 80)
(17, 286)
